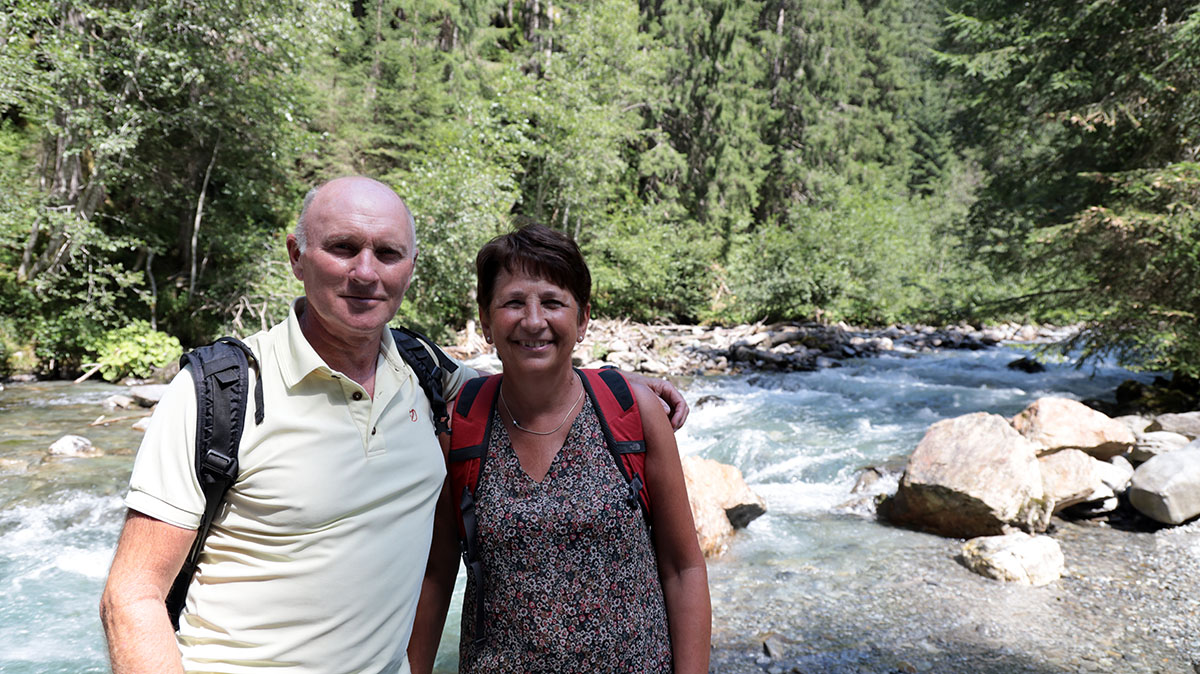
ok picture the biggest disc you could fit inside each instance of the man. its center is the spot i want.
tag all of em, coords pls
(315, 561)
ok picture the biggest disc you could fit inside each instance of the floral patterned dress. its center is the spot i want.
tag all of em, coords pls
(570, 577)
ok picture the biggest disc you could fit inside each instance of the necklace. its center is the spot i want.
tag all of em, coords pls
(518, 425)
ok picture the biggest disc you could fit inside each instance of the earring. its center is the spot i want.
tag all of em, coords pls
(487, 338)
(579, 339)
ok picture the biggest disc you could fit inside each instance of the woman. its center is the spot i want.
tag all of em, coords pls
(570, 576)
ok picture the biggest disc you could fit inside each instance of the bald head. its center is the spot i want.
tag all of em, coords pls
(342, 193)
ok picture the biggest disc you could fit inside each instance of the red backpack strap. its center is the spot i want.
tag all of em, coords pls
(621, 422)
(470, 428)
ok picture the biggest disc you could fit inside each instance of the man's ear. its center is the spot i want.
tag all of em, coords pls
(293, 248)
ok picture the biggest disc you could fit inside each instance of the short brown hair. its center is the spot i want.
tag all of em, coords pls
(538, 251)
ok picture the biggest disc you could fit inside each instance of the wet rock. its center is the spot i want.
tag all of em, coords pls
(1029, 365)
(147, 395)
(972, 475)
(1017, 558)
(141, 424)
(1069, 477)
(74, 446)
(1061, 423)
(118, 401)
(1186, 423)
(720, 500)
(1167, 487)
(1153, 443)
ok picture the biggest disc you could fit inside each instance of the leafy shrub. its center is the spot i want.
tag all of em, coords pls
(134, 350)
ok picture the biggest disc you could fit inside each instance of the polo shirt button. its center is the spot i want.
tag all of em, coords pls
(373, 429)
(357, 395)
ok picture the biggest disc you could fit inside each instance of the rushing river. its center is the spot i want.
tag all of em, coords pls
(802, 574)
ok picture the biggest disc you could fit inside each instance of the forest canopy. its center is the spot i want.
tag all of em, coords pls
(718, 161)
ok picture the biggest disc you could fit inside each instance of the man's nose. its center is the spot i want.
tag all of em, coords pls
(364, 267)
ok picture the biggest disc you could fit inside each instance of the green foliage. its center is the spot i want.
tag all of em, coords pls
(716, 160)
(1089, 145)
(134, 350)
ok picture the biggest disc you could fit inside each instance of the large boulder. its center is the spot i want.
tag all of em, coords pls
(1061, 423)
(1153, 443)
(1167, 487)
(1069, 477)
(1017, 558)
(721, 501)
(970, 476)
(1187, 423)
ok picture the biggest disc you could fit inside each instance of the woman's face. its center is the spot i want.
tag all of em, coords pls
(534, 323)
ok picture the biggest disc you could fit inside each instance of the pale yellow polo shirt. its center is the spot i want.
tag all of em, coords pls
(315, 562)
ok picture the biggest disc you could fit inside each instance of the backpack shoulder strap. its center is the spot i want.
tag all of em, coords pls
(621, 422)
(429, 363)
(220, 372)
(470, 428)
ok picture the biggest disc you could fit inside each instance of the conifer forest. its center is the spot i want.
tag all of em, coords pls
(719, 161)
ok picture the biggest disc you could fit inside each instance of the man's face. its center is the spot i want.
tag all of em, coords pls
(358, 260)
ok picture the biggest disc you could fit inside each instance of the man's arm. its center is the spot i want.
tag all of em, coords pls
(149, 555)
(672, 400)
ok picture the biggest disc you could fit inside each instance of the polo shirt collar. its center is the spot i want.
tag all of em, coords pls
(297, 358)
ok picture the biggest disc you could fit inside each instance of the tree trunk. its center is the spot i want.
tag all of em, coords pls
(196, 221)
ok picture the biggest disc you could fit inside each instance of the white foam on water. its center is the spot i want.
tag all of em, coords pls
(53, 560)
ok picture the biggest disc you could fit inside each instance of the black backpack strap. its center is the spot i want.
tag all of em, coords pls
(412, 347)
(220, 373)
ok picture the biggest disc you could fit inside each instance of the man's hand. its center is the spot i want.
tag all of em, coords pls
(670, 397)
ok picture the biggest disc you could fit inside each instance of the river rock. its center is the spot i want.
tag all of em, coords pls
(1016, 557)
(147, 395)
(1186, 423)
(972, 475)
(1069, 477)
(1061, 423)
(721, 502)
(1027, 365)
(119, 401)
(1153, 443)
(1114, 473)
(1167, 487)
(141, 424)
(74, 446)
(1136, 422)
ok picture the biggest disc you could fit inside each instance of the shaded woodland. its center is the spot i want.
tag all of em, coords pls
(718, 161)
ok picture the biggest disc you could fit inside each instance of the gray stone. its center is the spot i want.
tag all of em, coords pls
(147, 395)
(118, 401)
(972, 475)
(73, 445)
(1167, 487)
(1016, 558)
(1187, 423)
(1153, 443)
(1115, 473)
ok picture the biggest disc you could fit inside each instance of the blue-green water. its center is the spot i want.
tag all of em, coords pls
(799, 438)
